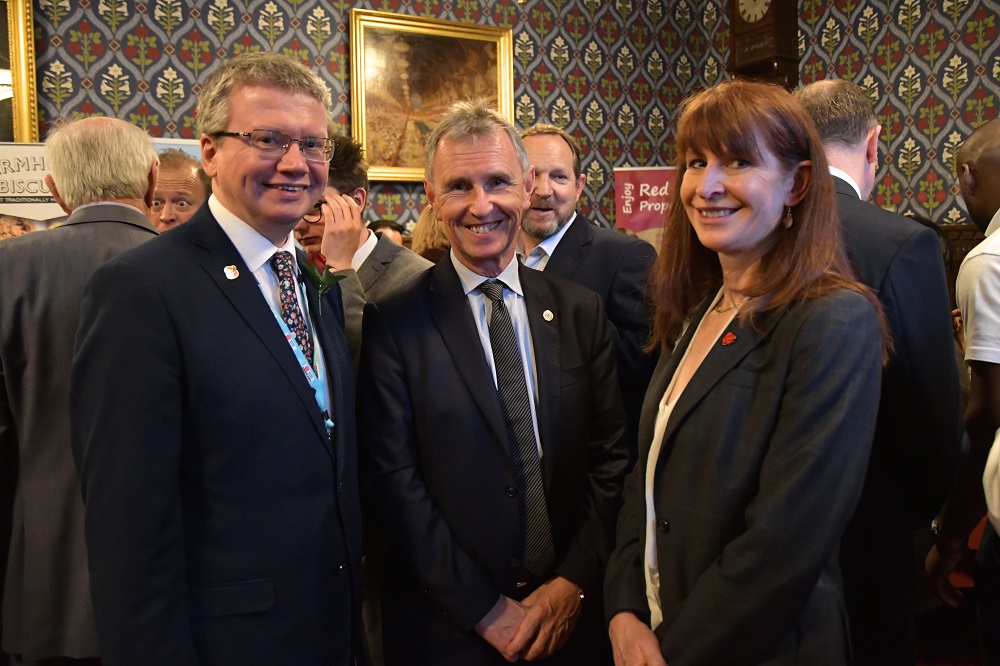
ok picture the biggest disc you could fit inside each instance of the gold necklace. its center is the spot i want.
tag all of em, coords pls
(732, 305)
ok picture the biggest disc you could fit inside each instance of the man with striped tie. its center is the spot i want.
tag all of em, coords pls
(491, 429)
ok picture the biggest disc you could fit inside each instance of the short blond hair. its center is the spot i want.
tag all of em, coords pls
(255, 69)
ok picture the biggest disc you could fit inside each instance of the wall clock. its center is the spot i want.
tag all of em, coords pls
(763, 32)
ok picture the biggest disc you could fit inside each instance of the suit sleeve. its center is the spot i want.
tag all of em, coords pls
(607, 456)
(630, 314)
(810, 481)
(126, 436)
(395, 486)
(921, 391)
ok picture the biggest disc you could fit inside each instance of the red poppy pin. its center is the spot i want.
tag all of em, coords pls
(728, 339)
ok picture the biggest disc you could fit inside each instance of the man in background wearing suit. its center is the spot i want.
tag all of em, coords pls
(371, 264)
(491, 428)
(559, 241)
(212, 407)
(102, 173)
(918, 438)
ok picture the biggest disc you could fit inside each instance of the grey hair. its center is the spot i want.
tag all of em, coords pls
(469, 120)
(256, 69)
(99, 159)
(842, 110)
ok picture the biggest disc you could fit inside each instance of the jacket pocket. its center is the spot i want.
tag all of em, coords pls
(252, 596)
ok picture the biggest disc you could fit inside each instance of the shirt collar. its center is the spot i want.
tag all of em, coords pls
(470, 280)
(364, 251)
(549, 244)
(994, 223)
(834, 171)
(255, 249)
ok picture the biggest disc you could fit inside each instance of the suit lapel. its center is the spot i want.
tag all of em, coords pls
(244, 294)
(572, 248)
(720, 360)
(374, 266)
(538, 300)
(450, 310)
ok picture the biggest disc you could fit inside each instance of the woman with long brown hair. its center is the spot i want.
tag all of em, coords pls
(758, 421)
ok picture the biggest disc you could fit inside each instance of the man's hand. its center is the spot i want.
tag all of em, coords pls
(499, 625)
(634, 643)
(553, 610)
(939, 566)
(342, 228)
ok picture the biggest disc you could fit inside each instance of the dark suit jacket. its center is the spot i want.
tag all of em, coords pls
(917, 445)
(761, 466)
(616, 267)
(439, 474)
(387, 268)
(222, 521)
(47, 610)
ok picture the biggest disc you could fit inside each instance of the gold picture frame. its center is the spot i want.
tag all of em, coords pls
(21, 29)
(406, 71)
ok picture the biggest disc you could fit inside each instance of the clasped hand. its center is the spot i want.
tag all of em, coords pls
(536, 627)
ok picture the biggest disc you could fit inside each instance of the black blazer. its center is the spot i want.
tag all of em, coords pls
(439, 476)
(616, 267)
(222, 521)
(762, 462)
(918, 440)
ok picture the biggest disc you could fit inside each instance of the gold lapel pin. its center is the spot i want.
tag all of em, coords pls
(231, 272)
(548, 316)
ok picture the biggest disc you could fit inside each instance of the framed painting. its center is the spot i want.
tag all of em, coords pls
(18, 95)
(405, 73)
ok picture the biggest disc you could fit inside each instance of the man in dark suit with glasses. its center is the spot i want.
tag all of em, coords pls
(213, 408)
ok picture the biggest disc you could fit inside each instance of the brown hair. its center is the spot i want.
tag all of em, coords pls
(348, 167)
(555, 130)
(805, 261)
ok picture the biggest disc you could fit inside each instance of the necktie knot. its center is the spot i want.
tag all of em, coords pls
(282, 262)
(492, 289)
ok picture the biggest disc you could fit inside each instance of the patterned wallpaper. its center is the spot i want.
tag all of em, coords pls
(612, 71)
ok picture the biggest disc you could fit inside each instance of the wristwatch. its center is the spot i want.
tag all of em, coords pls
(943, 543)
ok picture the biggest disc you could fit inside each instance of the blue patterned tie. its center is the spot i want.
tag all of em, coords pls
(290, 312)
(514, 396)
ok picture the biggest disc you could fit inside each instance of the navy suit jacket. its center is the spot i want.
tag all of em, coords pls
(616, 267)
(761, 465)
(222, 520)
(440, 477)
(918, 441)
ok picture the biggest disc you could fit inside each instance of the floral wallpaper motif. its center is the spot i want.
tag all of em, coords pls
(612, 71)
(931, 69)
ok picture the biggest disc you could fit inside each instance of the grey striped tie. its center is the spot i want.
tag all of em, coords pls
(514, 396)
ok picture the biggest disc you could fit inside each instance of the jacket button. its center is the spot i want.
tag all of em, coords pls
(340, 569)
(663, 525)
(514, 563)
(511, 491)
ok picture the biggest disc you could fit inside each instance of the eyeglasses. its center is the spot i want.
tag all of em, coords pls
(275, 144)
(315, 213)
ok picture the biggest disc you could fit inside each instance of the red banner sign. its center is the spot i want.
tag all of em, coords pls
(642, 197)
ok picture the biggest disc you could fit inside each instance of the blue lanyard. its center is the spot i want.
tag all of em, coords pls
(317, 380)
